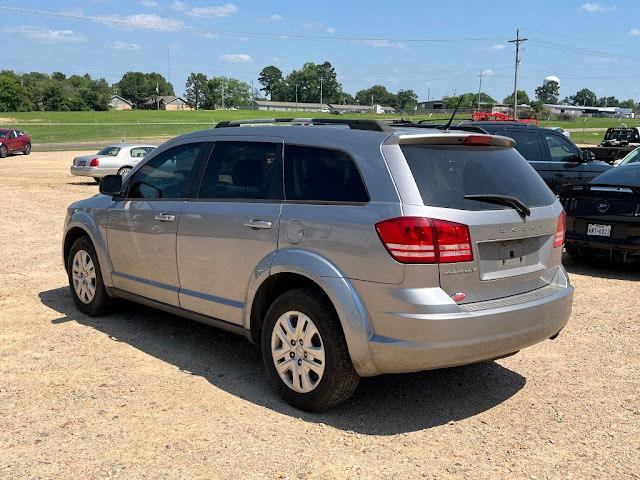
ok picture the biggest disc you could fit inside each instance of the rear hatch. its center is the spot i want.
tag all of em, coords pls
(503, 227)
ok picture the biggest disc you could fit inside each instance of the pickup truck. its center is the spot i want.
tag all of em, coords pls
(617, 142)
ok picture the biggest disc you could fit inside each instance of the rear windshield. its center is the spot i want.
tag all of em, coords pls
(445, 174)
(113, 151)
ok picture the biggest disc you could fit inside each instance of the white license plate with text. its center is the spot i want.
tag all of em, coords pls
(599, 230)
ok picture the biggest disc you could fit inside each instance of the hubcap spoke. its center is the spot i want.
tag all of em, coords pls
(83, 275)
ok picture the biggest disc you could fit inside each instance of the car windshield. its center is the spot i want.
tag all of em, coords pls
(113, 151)
(444, 175)
(633, 157)
(622, 175)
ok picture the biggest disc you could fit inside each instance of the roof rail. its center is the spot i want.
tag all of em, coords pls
(354, 124)
(433, 126)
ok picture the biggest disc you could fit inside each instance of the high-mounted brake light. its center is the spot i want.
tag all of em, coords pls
(94, 162)
(477, 140)
(560, 230)
(423, 240)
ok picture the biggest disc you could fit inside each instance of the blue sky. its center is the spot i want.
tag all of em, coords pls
(435, 48)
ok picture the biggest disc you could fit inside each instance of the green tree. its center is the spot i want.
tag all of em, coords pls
(227, 92)
(307, 82)
(548, 93)
(11, 94)
(523, 98)
(195, 90)
(269, 77)
(376, 95)
(406, 99)
(138, 86)
(630, 103)
(469, 101)
(584, 97)
(607, 102)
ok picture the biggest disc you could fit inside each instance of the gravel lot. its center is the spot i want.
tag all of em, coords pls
(143, 394)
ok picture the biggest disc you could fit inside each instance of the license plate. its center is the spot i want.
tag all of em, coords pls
(599, 230)
(82, 163)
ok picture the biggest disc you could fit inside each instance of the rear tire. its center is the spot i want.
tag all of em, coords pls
(123, 171)
(305, 352)
(27, 148)
(3, 151)
(85, 279)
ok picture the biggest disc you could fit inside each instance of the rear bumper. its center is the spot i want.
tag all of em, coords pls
(92, 171)
(476, 332)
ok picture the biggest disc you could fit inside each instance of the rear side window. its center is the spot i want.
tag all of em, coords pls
(322, 175)
(444, 175)
(528, 144)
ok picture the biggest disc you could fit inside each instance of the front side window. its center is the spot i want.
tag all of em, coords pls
(251, 170)
(322, 175)
(560, 150)
(168, 175)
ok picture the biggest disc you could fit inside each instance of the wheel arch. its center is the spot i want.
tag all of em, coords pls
(296, 268)
(77, 229)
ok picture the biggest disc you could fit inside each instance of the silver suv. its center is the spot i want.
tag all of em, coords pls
(343, 250)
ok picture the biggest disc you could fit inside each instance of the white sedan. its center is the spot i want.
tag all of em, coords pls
(119, 158)
(632, 157)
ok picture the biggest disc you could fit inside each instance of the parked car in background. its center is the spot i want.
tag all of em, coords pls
(603, 217)
(12, 141)
(631, 157)
(617, 142)
(554, 156)
(566, 133)
(347, 249)
(114, 159)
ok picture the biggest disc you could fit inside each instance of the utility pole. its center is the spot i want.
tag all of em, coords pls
(296, 97)
(517, 41)
(479, 90)
(222, 96)
(321, 79)
(253, 97)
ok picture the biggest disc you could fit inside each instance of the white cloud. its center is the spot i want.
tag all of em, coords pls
(148, 3)
(634, 31)
(487, 72)
(222, 11)
(330, 30)
(74, 12)
(275, 59)
(492, 48)
(125, 46)
(210, 36)
(43, 35)
(236, 58)
(270, 18)
(394, 80)
(144, 21)
(178, 5)
(595, 8)
(381, 43)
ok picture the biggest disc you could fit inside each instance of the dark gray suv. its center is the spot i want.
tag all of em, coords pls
(343, 250)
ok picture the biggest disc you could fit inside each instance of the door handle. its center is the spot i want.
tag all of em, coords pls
(257, 224)
(164, 217)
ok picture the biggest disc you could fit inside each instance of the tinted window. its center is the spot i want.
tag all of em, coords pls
(320, 174)
(244, 170)
(621, 175)
(113, 151)
(527, 144)
(560, 150)
(167, 175)
(3, 133)
(444, 175)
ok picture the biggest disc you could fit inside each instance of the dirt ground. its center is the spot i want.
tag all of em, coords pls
(141, 394)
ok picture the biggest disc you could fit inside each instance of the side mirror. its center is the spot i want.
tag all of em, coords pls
(588, 156)
(111, 185)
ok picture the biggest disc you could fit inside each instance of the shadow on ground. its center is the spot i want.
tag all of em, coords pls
(383, 405)
(602, 268)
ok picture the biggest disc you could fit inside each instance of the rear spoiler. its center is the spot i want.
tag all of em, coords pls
(588, 186)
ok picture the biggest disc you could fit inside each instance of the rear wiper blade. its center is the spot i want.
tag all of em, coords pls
(507, 200)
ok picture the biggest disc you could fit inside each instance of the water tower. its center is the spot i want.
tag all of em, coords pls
(551, 78)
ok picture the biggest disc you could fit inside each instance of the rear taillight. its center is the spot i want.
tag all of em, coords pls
(94, 162)
(423, 240)
(560, 229)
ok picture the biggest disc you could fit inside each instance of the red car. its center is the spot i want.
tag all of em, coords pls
(12, 141)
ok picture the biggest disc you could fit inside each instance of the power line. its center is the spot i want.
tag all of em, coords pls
(517, 41)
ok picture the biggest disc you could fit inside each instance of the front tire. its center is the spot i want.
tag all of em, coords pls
(27, 148)
(4, 151)
(305, 352)
(85, 279)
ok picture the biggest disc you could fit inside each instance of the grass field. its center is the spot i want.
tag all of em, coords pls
(151, 125)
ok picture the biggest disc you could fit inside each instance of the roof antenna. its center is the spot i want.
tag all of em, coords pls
(448, 125)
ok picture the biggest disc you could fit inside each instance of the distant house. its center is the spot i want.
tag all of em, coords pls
(165, 102)
(431, 105)
(266, 105)
(116, 102)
